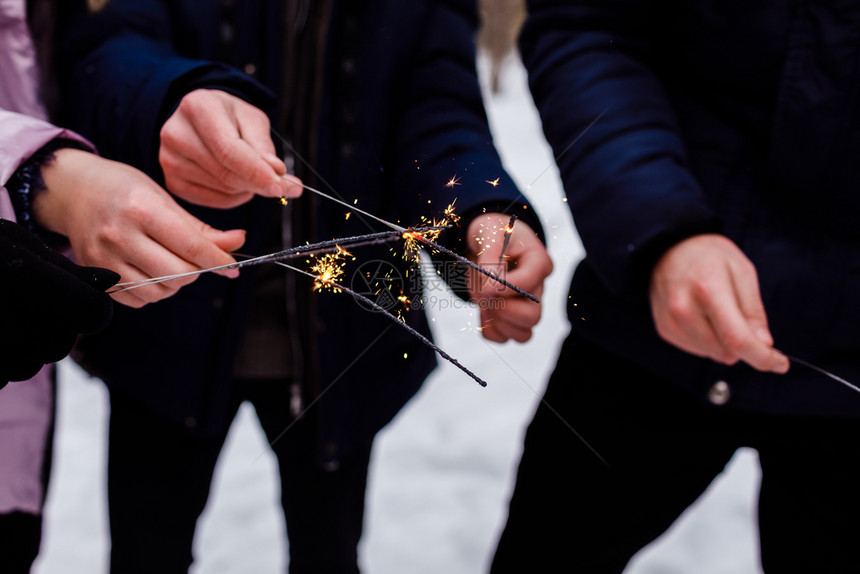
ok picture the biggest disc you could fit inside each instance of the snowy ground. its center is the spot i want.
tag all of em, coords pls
(441, 472)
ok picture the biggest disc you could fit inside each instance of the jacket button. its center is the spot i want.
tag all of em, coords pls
(719, 393)
(190, 422)
(250, 69)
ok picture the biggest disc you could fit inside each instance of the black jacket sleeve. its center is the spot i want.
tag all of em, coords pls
(593, 72)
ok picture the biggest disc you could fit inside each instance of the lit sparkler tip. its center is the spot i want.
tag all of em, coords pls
(450, 215)
(283, 200)
(328, 269)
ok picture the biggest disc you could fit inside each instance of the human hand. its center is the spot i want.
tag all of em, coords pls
(505, 314)
(216, 150)
(705, 300)
(116, 217)
(47, 300)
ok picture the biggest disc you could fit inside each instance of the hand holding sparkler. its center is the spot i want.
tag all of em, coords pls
(216, 150)
(516, 255)
(705, 300)
(116, 217)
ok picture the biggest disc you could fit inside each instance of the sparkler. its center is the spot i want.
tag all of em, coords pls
(410, 236)
(824, 372)
(413, 236)
(310, 249)
(508, 230)
(334, 285)
(330, 267)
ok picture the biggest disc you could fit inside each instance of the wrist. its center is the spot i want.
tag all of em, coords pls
(62, 176)
(27, 187)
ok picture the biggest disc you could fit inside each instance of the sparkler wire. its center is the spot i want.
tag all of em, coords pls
(824, 372)
(476, 267)
(423, 239)
(354, 241)
(392, 317)
(508, 231)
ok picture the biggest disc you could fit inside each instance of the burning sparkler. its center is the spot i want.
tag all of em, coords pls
(292, 252)
(334, 285)
(508, 230)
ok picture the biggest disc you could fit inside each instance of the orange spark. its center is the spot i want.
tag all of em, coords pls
(328, 269)
(494, 182)
(449, 213)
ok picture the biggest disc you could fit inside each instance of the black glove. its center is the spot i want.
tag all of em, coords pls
(45, 301)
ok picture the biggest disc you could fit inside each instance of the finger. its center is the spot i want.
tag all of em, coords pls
(520, 312)
(530, 263)
(489, 332)
(228, 241)
(737, 337)
(206, 196)
(185, 236)
(217, 121)
(277, 163)
(680, 321)
(508, 329)
(196, 178)
(255, 130)
(747, 292)
(294, 186)
(184, 155)
(240, 163)
(140, 296)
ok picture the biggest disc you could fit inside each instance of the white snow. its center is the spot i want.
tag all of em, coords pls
(441, 473)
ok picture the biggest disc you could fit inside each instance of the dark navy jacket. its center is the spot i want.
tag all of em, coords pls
(400, 114)
(738, 117)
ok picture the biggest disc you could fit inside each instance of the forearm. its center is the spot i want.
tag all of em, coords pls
(614, 134)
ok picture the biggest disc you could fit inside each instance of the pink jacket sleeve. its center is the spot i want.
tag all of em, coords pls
(22, 137)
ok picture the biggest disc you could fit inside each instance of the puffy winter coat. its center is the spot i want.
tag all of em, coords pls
(675, 118)
(397, 115)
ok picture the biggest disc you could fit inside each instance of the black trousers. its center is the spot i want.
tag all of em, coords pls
(159, 478)
(614, 455)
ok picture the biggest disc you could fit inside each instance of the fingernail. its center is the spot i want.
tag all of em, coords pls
(294, 190)
(231, 273)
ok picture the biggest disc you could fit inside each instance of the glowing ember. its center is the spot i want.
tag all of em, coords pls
(494, 182)
(328, 269)
(450, 215)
